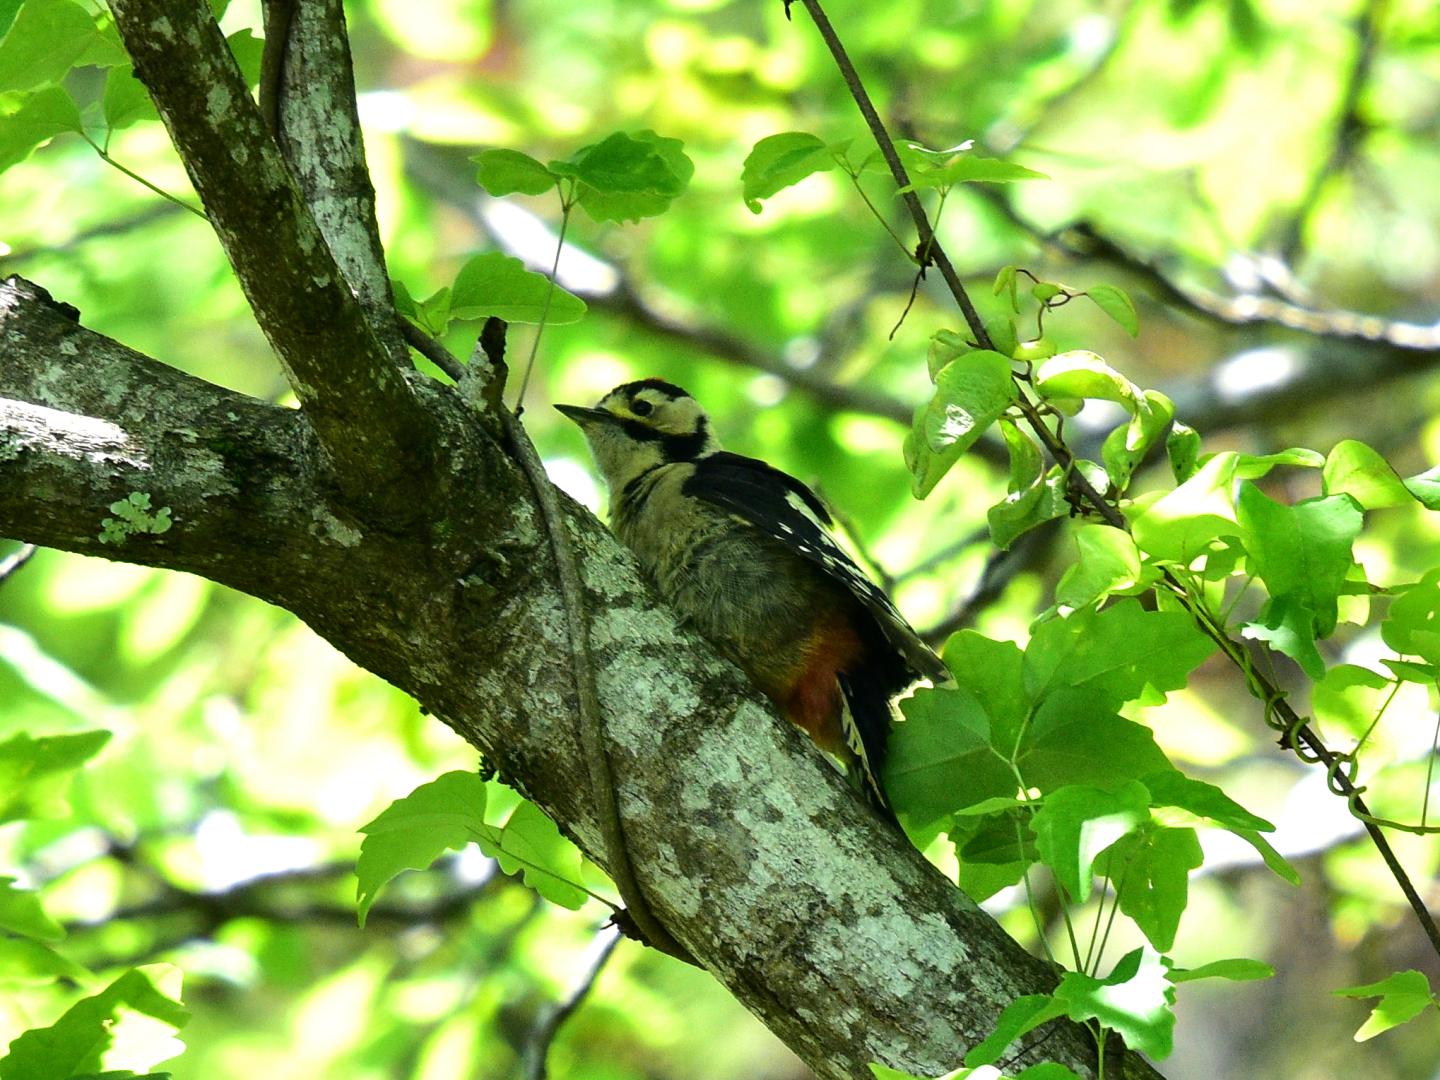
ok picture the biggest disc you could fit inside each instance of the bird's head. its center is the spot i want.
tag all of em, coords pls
(640, 425)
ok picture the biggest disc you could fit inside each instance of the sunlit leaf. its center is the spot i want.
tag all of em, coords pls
(493, 283)
(35, 773)
(1183, 447)
(504, 172)
(971, 393)
(76, 1043)
(1109, 562)
(27, 120)
(1237, 970)
(1077, 823)
(1403, 996)
(1413, 625)
(1426, 488)
(22, 913)
(410, 834)
(1081, 374)
(629, 177)
(1118, 652)
(1117, 304)
(1134, 1000)
(531, 842)
(780, 161)
(1172, 788)
(1077, 738)
(1180, 526)
(1301, 552)
(24, 962)
(970, 169)
(46, 37)
(1354, 469)
(1256, 466)
(1034, 497)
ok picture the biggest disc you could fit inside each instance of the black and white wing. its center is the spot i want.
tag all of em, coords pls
(783, 508)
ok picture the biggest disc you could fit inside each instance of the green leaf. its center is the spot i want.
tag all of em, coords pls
(1155, 882)
(945, 346)
(126, 101)
(1405, 671)
(1403, 996)
(1076, 738)
(1413, 625)
(1077, 823)
(971, 170)
(404, 302)
(1206, 802)
(1134, 1000)
(1081, 374)
(35, 773)
(248, 50)
(1290, 627)
(28, 963)
(1236, 970)
(1035, 496)
(993, 672)
(939, 759)
(1021, 1016)
(531, 842)
(46, 38)
(1349, 697)
(971, 393)
(433, 313)
(1005, 282)
(1183, 447)
(493, 283)
(1047, 1070)
(997, 841)
(21, 913)
(1273, 859)
(1126, 447)
(629, 177)
(504, 172)
(1109, 562)
(410, 834)
(1426, 488)
(780, 161)
(1354, 469)
(1252, 467)
(1301, 552)
(1119, 652)
(1117, 304)
(27, 120)
(1179, 527)
(76, 1042)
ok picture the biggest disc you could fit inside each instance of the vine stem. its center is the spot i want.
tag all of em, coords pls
(897, 169)
(565, 208)
(1297, 730)
(592, 733)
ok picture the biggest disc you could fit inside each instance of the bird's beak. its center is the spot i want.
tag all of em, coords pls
(584, 416)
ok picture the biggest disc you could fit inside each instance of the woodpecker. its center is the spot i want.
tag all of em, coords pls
(745, 553)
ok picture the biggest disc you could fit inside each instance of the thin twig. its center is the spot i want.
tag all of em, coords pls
(552, 1016)
(902, 179)
(15, 560)
(105, 157)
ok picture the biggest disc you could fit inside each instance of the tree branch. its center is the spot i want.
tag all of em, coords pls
(319, 134)
(751, 849)
(367, 418)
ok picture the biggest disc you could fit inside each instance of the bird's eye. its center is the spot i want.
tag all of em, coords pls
(641, 407)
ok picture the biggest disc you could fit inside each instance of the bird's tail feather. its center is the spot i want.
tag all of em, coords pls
(865, 718)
